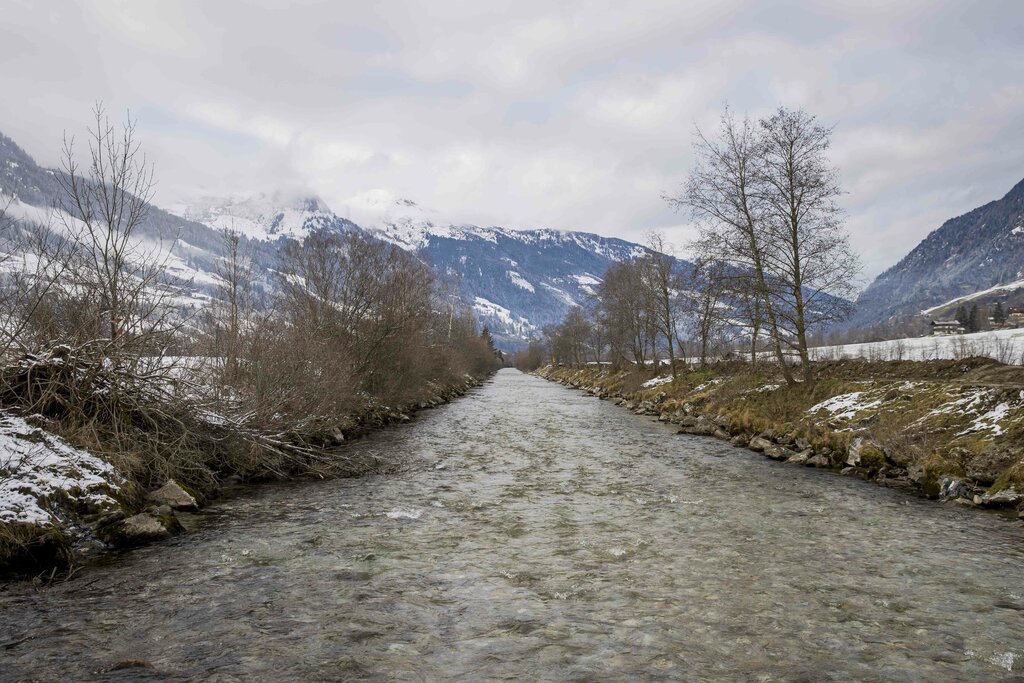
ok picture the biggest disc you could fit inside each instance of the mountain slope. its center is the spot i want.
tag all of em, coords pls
(517, 281)
(980, 250)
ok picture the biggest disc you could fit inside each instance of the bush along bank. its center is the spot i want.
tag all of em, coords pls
(936, 433)
(94, 458)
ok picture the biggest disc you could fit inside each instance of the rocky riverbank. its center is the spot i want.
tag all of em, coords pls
(61, 504)
(926, 427)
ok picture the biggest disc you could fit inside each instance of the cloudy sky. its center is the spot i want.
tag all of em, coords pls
(574, 115)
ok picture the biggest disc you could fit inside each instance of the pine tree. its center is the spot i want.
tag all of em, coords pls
(998, 314)
(486, 336)
(974, 319)
(961, 315)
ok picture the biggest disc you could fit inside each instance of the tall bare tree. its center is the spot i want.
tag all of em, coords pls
(662, 280)
(103, 205)
(809, 249)
(723, 194)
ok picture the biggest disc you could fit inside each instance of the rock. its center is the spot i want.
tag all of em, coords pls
(1006, 498)
(776, 452)
(740, 440)
(988, 466)
(687, 421)
(172, 495)
(802, 443)
(864, 453)
(823, 459)
(722, 421)
(953, 488)
(721, 434)
(138, 530)
(759, 444)
(801, 458)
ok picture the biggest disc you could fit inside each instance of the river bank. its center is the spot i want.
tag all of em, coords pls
(948, 430)
(62, 504)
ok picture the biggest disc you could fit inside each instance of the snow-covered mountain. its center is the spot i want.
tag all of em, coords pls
(517, 281)
(264, 216)
(974, 258)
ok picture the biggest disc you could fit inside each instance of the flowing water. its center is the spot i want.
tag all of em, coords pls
(537, 533)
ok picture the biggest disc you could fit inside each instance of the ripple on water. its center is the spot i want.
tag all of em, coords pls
(566, 539)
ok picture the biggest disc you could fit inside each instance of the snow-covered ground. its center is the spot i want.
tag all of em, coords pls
(39, 472)
(1006, 346)
(1009, 286)
(490, 311)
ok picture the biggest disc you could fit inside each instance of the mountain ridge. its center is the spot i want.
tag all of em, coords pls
(976, 251)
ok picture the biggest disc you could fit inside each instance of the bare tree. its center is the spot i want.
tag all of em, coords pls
(704, 301)
(624, 313)
(234, 304)
(723, 195)
(809, 249)
(662, 280)
(103, 206)
(33, 259)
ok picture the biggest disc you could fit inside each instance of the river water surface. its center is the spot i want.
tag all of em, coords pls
(537, 533)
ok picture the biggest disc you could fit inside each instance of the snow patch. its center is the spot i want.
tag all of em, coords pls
(36, 467)
(845, 406)
(519, 281)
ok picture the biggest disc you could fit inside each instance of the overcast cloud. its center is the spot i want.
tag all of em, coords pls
(531, 114)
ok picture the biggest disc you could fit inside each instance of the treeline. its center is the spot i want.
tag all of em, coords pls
(772, 261)
(95, 337)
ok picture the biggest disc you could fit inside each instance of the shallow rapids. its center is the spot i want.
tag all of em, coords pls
(535, 533)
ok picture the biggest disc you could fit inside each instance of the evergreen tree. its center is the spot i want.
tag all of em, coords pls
(974, 319)
(999, 315)
(486, 336)
(961, 315)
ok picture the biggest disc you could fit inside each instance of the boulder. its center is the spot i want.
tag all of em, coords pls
(953, 488)
(776, 452)
(700, 429)
(138, 530)
(759, 444)
(1007, 498)
(740, 440)
(802, 443)
(172, 495)
(822, 459)
(864, 453)
(801, 458)
(721, 434)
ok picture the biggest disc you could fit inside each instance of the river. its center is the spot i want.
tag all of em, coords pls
(535, 533)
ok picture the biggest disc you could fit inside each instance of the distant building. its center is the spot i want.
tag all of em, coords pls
(1015, 317)
(945, 328)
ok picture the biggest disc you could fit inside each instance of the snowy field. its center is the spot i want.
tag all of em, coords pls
(1006, 346)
